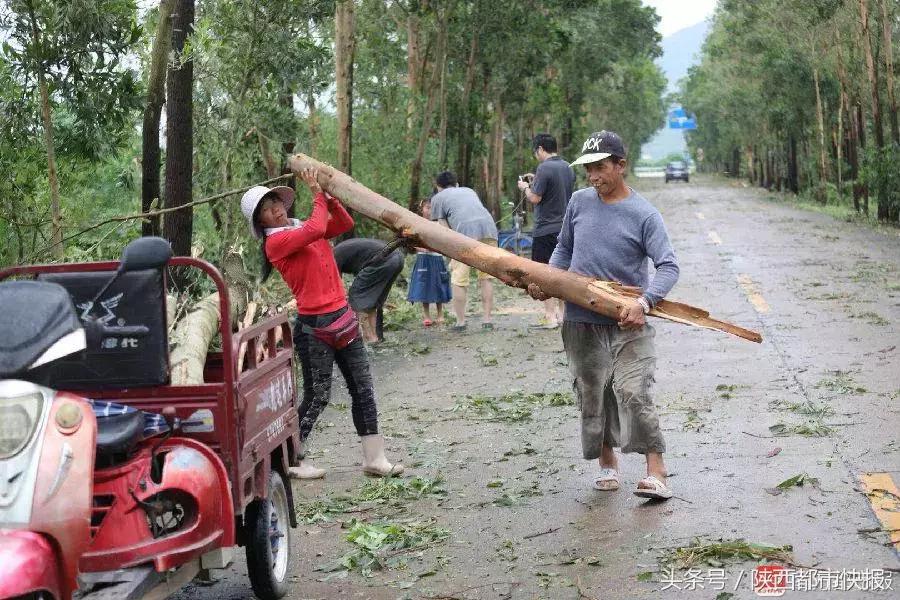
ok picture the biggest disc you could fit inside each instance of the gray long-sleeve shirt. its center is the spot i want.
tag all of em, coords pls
(613, 242)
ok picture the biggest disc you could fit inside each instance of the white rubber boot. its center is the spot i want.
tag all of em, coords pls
(374, 460)
(304, 470)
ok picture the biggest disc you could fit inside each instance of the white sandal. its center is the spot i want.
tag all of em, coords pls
(607, 480)
(658, 491)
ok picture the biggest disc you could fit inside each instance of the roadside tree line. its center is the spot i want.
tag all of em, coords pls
(802, 96)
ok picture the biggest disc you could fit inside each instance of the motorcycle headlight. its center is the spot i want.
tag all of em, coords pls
(19, 417)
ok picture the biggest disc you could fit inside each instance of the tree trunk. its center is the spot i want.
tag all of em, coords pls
(752, 170)
(853, 156)
(887, 49)
(839, 146)
(56, 236)
(492, 163)
(820, 121)
(499, 124)
(344, 26)
(603, 297)
(313, 122)
(442, 126)
(178, 225)
(793, 180)
(772, 172)
(425, 132)
(565, 141)
(851, 137)
(156, 97)
(467, 124)
(861, 136)
(272, 169)
(191, 339)
(286, 100)
(872, 71)
(413, 63)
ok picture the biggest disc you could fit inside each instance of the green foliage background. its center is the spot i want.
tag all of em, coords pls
(754, 91)
(259, 66)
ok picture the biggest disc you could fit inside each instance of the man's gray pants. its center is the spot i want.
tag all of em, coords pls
(613, 371)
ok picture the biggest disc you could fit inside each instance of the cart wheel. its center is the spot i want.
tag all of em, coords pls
(269, 541)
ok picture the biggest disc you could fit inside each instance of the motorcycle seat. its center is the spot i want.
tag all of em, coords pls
(119, 433)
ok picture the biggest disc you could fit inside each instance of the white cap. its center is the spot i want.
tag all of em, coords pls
(254, 195)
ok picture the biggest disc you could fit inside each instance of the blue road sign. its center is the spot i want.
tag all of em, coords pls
(679, 119)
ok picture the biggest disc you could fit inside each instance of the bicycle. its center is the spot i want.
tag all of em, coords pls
(516, 240)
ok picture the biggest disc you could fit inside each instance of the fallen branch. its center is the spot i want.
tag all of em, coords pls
(603, 297)
(539, 534)
(154, 213)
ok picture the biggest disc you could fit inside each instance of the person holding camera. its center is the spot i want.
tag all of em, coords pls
(549, 189)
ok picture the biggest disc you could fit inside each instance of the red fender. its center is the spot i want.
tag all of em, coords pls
(28, 563)
(194, 472)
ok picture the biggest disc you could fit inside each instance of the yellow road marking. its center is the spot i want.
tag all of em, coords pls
(700, 216)
(884, 497)
(714, 238)
(756, 299)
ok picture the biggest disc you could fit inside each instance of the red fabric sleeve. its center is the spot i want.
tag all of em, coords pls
(285, 243)
(341, 221)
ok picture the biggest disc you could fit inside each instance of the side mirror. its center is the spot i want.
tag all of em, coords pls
(145, 253)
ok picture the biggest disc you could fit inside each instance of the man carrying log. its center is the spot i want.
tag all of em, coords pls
(609, 231)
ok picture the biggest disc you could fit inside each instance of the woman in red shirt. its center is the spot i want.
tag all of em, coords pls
(301, 253)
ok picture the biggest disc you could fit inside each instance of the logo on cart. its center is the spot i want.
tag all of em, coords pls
(109, 304)
(276, 395)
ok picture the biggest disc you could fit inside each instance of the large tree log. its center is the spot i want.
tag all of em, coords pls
(603, 297)
(197, 329)
(192, 337)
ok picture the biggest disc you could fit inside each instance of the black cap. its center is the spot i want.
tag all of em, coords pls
(600, 145)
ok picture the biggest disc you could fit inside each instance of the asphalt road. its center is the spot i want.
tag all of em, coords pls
(520, 516)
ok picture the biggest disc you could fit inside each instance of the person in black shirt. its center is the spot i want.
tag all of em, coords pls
(549, 191)
(372, 281)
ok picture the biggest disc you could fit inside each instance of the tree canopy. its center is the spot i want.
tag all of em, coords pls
(460, 85)
(792, 95)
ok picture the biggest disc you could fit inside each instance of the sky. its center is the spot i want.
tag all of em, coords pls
(678, 14)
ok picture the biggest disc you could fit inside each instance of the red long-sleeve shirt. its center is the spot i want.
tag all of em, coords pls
(305, 259)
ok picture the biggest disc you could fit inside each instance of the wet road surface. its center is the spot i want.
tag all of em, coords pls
(520, 516)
